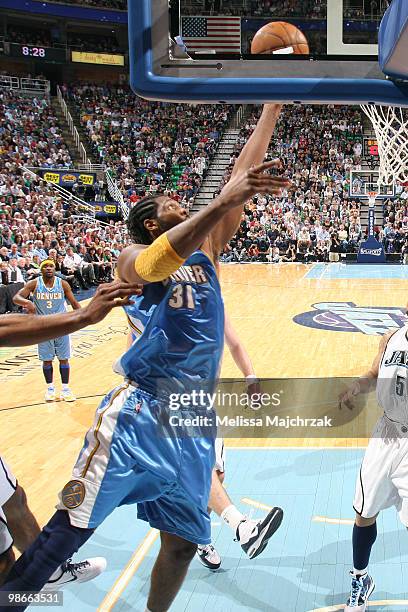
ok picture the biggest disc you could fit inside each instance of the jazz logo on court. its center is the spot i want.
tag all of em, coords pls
(347, 317)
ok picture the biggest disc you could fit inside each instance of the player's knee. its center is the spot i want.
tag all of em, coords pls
(6, 563)
(365, 522)
(180, 550)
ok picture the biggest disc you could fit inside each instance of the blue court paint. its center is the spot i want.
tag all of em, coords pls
(306, 563)
(335, 271)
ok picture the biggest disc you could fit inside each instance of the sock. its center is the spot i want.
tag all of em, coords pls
(64, 371)
(51, 387)
(57, 542)
(363, 540)
(65, 387)
(359, 573)
(232, 517)
(48, 373)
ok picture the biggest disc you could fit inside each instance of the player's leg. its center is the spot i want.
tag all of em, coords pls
(374, 492)
(22, 527)
(21, 522)
(362, 584)
(169, 571)
(253, 535)
(84, 503)
(8, 489)
(46, 353)
(63, 352)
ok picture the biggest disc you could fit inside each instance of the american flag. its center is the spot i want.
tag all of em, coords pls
(221, 34)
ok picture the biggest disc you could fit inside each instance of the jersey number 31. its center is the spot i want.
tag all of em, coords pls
(182, 297)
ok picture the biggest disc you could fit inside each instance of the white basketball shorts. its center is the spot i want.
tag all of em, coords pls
(383, 478)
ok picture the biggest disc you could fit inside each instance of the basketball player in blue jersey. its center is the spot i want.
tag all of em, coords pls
(252, 534)
(126, 458)
(18, 526)
(49, 293)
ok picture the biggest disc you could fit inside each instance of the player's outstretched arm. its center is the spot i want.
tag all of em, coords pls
(252, 154)
(21, 297)
(367, 381)
(22, 330)
(237, 349)
(141, 264)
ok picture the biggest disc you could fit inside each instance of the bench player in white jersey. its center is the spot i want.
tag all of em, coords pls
(383, 478)
(49, 294)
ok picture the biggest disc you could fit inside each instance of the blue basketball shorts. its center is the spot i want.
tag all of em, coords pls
(60, 348)
(126, 459)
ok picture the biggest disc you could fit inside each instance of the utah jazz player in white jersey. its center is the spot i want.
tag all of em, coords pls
(383, 478)
(132, 453)
(49, 293)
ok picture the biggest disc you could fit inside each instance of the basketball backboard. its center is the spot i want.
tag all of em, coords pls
(342, 65)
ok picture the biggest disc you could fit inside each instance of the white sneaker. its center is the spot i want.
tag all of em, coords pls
(75, 572)
(254, 535)
(67, 395)
(209, 557)
(361, 589)
(50, 395)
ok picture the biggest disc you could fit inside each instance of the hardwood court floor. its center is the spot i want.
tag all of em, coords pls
(41, 441)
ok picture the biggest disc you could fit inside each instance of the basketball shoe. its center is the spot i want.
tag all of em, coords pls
(75, 572)
(361, 589)
(50, 395)
(67, 395)
(209, 557)
(254, 535)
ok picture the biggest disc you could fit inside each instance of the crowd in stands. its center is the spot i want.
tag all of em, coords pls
(310, 9)
(29, 132)
(108, 4)
(34, 222)
(316, 219)
(156, 147)
(35, 225)
(28, 36)
(150, 145)
(89, 42)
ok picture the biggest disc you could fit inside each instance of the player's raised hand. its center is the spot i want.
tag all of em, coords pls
(255, 180)
(108, 296)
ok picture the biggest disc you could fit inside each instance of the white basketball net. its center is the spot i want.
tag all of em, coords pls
(391, 129)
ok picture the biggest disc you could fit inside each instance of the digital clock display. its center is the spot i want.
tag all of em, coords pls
(33, 51)
(50, 54)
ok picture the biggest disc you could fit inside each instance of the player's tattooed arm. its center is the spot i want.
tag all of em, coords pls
(21, 297)
(368, 381)
(69, 296)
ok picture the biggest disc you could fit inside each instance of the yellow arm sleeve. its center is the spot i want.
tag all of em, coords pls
(158, 261)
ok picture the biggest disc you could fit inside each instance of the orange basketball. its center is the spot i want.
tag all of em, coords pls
(281, 38)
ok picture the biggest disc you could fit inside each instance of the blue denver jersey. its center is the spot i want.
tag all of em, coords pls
(178, 328)
(49, 301)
